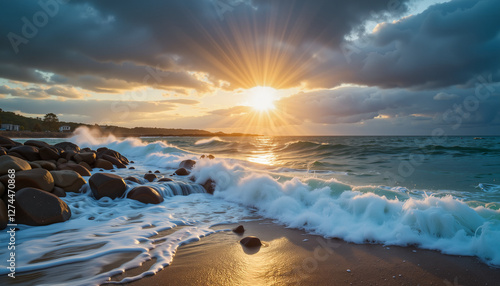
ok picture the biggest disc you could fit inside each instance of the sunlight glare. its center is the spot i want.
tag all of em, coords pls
(262, 98)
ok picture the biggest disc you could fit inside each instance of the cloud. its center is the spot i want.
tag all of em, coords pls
(445, 96)
(447, 44)
(183, 101)
(90, 111)
(235, 110)
(362, 104)
(106, 47)
(42, 93)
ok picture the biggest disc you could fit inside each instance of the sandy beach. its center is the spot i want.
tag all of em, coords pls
(292, 257)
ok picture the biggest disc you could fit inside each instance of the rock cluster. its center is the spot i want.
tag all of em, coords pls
(44, 173)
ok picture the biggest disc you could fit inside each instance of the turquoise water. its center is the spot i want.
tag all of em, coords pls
(464, 166)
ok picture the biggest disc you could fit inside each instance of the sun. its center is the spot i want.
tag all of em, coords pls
(262, 98)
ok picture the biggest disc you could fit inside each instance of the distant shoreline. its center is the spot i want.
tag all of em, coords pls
(30, 134)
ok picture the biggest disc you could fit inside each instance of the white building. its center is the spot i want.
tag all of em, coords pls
(64, 128)
(10, 127)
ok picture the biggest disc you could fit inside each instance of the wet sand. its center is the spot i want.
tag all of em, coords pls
(291, 256)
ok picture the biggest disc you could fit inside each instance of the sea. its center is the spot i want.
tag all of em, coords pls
(439, 193)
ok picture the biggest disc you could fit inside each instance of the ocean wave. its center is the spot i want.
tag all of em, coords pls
(463, 149)
(489, 188)
(364, 214)
(208, 141)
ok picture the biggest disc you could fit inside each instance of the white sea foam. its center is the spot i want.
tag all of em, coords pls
(360, 215)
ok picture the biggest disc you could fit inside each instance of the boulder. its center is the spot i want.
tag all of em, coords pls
(59, 192)
(3, 151)
(103, 164)
(68, 155)
(150, 177)
(10, 162)
(87, 157)
(85, 165)
(251, 241)
(61, 161)
(165, 180)
(114, 161)
(145, 194)
(35, 178)
(131, 168)
(101, 149)
(4, 218)
(37, 143)
(75, 167)
(49, 153)
(37, 207)
(107, 185)
(29, 152)
(17, 155)
(239, 229)
(49, 166)
(209, 186)
(182, 172)
(187, 164)
(105, 151)
(211, 157)
(68, 180)
(8, 143)
(68, 146)
(34, 165)
(2, 189)
(157, 172)
(132, 179)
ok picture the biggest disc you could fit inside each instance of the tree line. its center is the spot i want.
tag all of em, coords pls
(50, 122)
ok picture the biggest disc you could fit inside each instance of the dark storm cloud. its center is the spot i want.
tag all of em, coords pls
(448, 44)
(105, 45)
(358, 104)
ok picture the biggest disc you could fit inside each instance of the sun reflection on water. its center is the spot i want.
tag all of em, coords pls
(263, 153)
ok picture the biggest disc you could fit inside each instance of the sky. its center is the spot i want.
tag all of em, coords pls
(275, 67)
